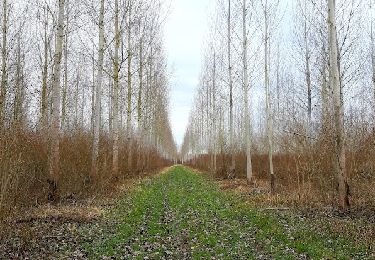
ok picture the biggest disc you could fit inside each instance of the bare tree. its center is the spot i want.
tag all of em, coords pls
(45, 114)
(116, 69)
(267, 93)
(249, 171)
(96, 116)
(214, 114)
(339, 140)
(44, 92)
(19, 95)
(4, 70)
(231, 131)
(304, 13)
(65, 81)
(129, 93)
(372, 46)
(54, 168)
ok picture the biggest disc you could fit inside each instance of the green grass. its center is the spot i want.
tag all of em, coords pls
(182, 214)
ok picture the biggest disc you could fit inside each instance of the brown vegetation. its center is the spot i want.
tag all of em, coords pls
(24, 168)
(305, 179)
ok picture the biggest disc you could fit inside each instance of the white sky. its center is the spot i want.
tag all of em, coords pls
(184, 36)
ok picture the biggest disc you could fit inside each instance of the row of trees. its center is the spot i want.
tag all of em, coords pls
(93, 68)
(285, 79)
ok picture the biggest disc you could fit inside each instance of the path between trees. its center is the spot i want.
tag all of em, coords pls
(181, 214)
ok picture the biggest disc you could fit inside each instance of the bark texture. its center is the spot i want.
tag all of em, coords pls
(54, 167)
(341, 173)
(96, 97)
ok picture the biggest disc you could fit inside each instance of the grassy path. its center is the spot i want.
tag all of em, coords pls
(183, 215)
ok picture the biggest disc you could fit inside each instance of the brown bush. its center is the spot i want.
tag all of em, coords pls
(24, 167)
(306, 177)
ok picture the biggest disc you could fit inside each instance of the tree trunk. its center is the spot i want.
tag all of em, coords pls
(214, 130)
(268, 102)
(19, 94)
(76, 94)
(129, 96)
(326, 112)
(343, 186)
(44, 99)
(65, 88)
(139, 105)
(96, 116)
(93, 89)
(54, 167)
(115, 167)
(307, 69)
(83, 102)
(249, 170)
(4, 70)
(373, 56)
(231, 133)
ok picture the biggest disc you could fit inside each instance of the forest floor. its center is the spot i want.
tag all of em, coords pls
(181, 214)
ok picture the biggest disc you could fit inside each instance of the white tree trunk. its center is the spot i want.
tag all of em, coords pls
(44, 100)
(4, 70)
(231, 133)
(110, 107)
(214, 121)
(249, 170)
(82, 118)
(18, 113)
(307, 66)
(129, 97)
(373, 56)
(139, 105)
(115, 167)
(343, 187)
(76, 98)
(325, 92)
(65, 88)
(99, 79)
(93, 89)
(268, 102)
(54, 167)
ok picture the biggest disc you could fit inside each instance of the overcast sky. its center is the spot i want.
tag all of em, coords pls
(184, 36)
(185, 30)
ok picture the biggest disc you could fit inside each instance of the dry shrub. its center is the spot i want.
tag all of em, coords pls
(306, 176)
(24, 167)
